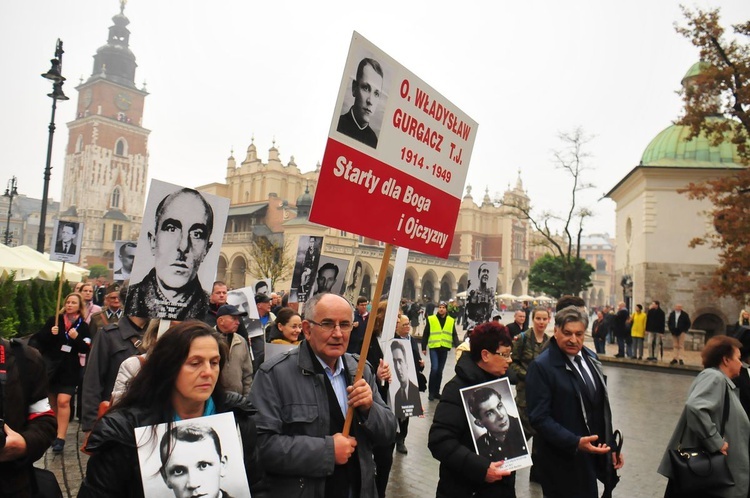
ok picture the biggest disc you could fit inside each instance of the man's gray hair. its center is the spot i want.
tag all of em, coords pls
(571, 314)
(308, 311)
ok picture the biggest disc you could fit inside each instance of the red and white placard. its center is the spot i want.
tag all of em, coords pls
(407, 189)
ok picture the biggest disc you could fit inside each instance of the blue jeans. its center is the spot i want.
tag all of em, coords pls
(600, 344)
(438, 357)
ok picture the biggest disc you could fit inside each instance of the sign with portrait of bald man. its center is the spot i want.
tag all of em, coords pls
(177, 253)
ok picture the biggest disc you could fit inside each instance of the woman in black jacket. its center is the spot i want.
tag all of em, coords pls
(178, 382)
(463, 472)
(60, 343)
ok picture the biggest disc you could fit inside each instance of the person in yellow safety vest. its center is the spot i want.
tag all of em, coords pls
(439, 336)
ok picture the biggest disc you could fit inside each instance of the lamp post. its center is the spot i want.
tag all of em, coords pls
(55, 75)
(10, 191)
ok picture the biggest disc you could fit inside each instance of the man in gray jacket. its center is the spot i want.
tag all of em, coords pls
(302, 397)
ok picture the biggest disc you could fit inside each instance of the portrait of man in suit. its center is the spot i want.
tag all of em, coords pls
(406, 399)
(126, 254)
(66, 243)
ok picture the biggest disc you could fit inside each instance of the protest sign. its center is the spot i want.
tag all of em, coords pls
(401, 145)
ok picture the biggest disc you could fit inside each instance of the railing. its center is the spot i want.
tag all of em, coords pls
(238, 237)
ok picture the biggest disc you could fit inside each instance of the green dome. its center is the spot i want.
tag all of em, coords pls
(695, 70)
(670, 148)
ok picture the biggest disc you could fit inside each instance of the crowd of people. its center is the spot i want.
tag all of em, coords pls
(311, 424)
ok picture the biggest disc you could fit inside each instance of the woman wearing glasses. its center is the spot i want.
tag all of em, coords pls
(463, 472)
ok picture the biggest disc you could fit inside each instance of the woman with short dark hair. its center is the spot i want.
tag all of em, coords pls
(463, 472)
(700, 424)
(179, 381)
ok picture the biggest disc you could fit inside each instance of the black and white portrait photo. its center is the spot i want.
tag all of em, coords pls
(244, 299)
(364, 102)
(496, 429)
(480, 291)
(352, 291)
(195, 457)
(177, 253)
(330, 275)
(262, 286)
(404, 388)
(124, 258)
(66, 241)
(305, 267)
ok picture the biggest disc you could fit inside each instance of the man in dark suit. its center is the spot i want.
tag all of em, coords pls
(678, 323)
(569, 409)
(66, 244)
(621, 330)
(406, 400)
(655, 324)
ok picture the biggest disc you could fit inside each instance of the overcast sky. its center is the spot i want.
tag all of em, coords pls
(221, 72)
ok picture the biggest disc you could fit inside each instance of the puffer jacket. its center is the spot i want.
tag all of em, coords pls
(462, 470)
(113, 469)
(293, 425)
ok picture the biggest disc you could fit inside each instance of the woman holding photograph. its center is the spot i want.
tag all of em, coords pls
(179, 381)
(463, 472)
(713, 395)
(60, 343)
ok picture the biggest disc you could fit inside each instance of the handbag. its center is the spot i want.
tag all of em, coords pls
(695, 469)
(45, 484)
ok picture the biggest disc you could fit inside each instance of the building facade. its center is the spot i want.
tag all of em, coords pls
(272, 200)
(599, 251)
(23, 222)
(106, 160)
(655, 224)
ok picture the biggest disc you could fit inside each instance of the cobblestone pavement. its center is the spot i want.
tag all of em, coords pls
(646, 401)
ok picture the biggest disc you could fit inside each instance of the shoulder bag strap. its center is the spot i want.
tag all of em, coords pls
(725, 415)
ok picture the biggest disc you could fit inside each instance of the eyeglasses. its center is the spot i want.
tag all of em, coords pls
(507, 356)
(330, 325)
(407, 324)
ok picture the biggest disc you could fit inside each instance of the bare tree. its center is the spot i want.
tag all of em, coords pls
(566, 246)
(267, 259)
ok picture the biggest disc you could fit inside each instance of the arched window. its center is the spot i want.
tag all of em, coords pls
(121, 147)
(79, 143)
(115, 200)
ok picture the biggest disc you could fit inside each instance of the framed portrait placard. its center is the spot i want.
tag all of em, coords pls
(200, 453)
(496, 430)
(66, 241)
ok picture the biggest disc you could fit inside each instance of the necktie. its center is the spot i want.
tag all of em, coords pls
(65, 248)
(585, 376)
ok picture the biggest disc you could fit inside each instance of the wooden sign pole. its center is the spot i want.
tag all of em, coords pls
(59, 291)
(368, 331)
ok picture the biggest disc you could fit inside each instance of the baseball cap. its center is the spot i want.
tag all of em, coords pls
(229, 309)
(262, 298)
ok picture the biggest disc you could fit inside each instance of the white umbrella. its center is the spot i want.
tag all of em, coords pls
(525, 297)
(507, 296)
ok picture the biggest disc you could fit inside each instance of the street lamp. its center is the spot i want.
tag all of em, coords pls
(10, 191)
(57, 78)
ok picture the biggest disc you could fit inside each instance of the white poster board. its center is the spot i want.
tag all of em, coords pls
(496, 429)
(206, 456)
(177, 253)
(66, 241)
